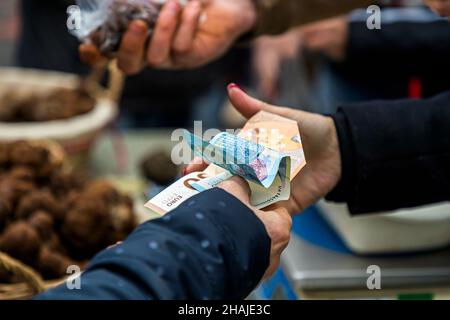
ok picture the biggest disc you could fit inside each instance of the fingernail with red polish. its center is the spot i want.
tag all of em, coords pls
(184, 171)
(232, 86)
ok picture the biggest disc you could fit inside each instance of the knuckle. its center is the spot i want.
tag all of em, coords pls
(180, 48)
(155, 60)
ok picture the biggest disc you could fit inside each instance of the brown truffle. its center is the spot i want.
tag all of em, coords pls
(62, 104)
(101, 190)
(63, 183)
(11, 189)
(4, 154)
(10, 104)
(6, 213)
(52, 264)
(87, 229)
(57, 104)
(21, 241)
(22, 173)
(43, 223)
(159, 168)
(39, 200)
(23, 153)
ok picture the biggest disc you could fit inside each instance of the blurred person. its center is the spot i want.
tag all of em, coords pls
(268, 55)
(400, 60)
(214, 246)
(152, 98)
(329, 37)
(202, 31)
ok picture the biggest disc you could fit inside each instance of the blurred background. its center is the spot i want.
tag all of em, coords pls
(9, 31)
(123, 135)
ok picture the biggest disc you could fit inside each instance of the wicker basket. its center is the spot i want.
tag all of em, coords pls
(77, 134)
(32, 282)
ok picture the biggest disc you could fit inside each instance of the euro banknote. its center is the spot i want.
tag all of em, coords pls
(267, 152)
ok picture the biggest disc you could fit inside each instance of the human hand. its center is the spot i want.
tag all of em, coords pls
(186, 37)
(329, 37)
(278, 222)
(441, 7)
(319, 137)
(268, 55)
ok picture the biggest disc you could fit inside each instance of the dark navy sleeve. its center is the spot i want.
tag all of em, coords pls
(211, 247)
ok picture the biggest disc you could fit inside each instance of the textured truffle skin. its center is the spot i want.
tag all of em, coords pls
(39, 200)
(22, 173)
(43, 223)
(57, 104)
(159, 168)
(21, 241)
(34, 226)
(87, 229)
(52, 264)
(6, 213)
(23, 153)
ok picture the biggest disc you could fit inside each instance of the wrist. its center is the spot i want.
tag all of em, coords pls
(346, 157)
(335, 150)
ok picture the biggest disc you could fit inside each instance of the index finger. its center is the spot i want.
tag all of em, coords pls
(196, 165)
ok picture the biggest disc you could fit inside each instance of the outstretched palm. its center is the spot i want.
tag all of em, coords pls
(319, 137)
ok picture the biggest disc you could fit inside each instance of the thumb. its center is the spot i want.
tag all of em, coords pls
(249, 106)
(246, 105)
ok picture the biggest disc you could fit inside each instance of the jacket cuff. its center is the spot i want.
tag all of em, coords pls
(342, 191)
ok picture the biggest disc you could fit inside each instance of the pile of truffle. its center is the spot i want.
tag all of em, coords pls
(50, 218)
(57, 104)
(119, 15)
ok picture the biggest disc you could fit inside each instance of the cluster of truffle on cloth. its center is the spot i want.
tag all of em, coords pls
(56, 104)
(50, 218)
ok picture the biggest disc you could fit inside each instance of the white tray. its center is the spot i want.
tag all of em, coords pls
(404, 231)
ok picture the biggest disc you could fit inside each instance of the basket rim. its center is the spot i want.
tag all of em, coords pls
(103, 113)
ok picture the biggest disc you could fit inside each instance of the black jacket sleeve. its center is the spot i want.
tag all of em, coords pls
(394, 154)
(211, 247)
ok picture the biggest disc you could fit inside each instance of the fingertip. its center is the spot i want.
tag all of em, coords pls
(242, 102)
(233, 86)
(90, 55)
(138, 28)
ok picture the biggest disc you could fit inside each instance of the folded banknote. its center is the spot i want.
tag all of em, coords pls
(267, 152)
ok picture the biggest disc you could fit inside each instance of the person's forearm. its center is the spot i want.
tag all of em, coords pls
(277, 16)
(394, 154)
(211, 247)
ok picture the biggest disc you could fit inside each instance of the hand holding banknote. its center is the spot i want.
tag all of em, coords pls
(277, 222)
(321, 147)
